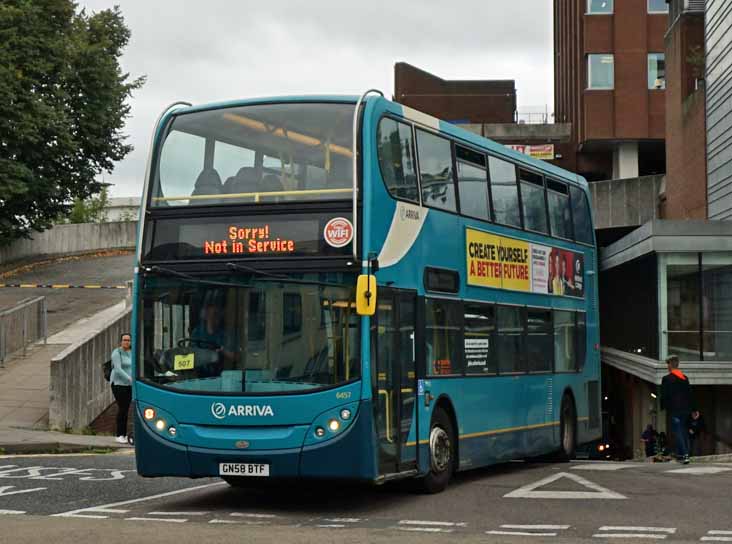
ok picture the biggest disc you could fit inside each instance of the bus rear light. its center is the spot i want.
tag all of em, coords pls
(149, 414)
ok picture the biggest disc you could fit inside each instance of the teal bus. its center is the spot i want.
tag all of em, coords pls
(342, 287)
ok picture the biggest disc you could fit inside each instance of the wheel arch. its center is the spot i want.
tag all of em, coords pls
(443, 402)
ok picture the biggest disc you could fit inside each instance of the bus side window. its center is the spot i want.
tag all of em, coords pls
(581, 215)
(510, 339)
(442, 336)
(479, 340)
(396, 159)
(504, 192)
(435, 171)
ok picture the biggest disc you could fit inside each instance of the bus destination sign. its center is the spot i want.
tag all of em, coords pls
(261, 236)
(248, 240)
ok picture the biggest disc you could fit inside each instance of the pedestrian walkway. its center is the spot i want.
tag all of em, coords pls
(24, 392)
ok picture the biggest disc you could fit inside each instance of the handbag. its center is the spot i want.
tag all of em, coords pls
(107, 368)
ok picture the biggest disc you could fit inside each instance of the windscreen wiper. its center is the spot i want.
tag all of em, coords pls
(268, 276)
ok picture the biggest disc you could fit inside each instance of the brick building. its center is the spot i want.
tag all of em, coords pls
(609, 80)
(685, 195)
(455, 101)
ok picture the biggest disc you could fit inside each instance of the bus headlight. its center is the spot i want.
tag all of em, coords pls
(172, 431)
(319, 432)
(345, 414)
(333, 425)
(160, 424)
(149, 414)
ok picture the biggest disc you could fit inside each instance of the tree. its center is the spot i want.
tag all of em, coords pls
(62, 108)
(91, 210)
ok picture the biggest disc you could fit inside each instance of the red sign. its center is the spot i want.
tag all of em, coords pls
(250, 239)
(338, 232)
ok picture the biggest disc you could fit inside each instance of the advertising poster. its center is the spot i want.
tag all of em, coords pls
(507, 263)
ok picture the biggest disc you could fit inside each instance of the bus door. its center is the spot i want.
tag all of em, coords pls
(393, 336)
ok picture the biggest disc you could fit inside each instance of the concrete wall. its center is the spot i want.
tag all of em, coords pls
(21, 325)
(78, 392)
(625, 202)
(70, 239)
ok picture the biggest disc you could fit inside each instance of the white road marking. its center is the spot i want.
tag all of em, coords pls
(4, 490)
(602, 466)
(248, 515)
(537, 527)
(426, 529)
(439, 523)
(109, 510)
(11, 512)
(73, 513)
(331, 526)
(229, 521)
(343, 520)
(669, 530)
(717, 536)
(176, 513)
(89, 516)
(528, 491)
(519, 533)
(168, 520)
(629, 535)
(699, 470)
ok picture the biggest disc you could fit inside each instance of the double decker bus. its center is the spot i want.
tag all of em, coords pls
(346, 288)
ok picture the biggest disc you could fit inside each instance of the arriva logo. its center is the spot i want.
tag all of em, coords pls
(219, 411)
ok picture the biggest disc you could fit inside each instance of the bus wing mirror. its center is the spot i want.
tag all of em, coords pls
(366, 294)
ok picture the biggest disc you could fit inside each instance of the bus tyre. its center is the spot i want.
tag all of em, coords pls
(568, 429)
(441, 453)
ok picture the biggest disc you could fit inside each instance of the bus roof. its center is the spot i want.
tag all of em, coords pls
(411, 115)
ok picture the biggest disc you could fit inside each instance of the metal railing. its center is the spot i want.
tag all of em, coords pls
(25, 323)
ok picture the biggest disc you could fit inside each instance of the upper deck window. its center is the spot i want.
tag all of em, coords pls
(396, 158)
(504, 192)
(472, 183)
(257, 154)
(532, 199)
(435, 171)
(581, 216)
(560, 217)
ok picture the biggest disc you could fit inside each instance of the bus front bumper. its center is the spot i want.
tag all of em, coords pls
(347, 456)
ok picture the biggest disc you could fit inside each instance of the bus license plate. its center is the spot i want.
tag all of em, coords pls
(243, 469)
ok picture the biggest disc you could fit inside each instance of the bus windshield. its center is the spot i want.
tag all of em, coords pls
(256, 154)
(263, 337)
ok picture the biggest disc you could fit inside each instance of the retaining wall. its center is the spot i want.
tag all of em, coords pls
(78, 392)
(71, 239)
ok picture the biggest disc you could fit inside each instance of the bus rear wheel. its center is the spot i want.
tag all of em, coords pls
(441, 452)
(568, 429)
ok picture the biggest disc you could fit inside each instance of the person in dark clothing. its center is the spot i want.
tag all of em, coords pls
(676, 400)
(649, 439)
(696, 428)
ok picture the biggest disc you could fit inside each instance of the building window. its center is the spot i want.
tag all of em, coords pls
(657, 6)
(600, 71)
(599, 6)
(656, 71)
(435, 171)
(396, 158)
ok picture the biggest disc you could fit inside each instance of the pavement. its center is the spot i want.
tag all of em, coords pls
(24, 379)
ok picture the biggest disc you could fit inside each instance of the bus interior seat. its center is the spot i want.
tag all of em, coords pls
(271, 183)
(245, 181)
(208, 182)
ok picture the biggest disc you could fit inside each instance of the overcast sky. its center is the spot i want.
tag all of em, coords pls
(203, 51)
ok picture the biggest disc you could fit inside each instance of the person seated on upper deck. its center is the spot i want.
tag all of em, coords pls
(207, 183)
(245, 181)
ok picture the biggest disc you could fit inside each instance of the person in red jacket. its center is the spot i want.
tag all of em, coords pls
(676, 399)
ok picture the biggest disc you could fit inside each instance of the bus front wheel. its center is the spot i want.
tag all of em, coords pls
(568, 429)
(442, 453)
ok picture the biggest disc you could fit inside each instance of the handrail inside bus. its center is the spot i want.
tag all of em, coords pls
(256, 195)
(355, 170)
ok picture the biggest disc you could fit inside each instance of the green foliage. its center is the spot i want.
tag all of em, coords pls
(91, 210)
(62, 108)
